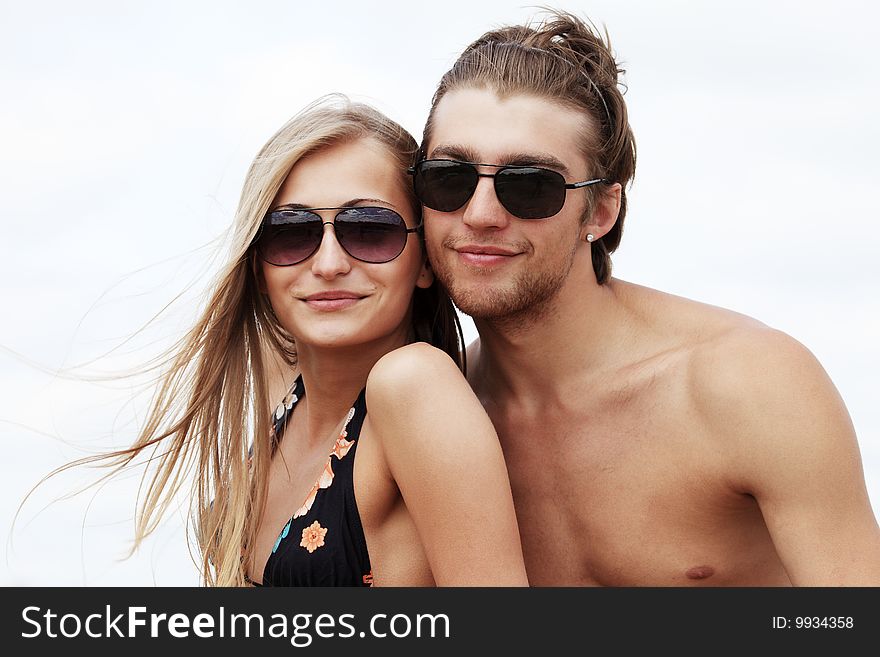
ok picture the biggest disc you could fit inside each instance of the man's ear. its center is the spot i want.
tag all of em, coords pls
(604, 214)
(426, 275)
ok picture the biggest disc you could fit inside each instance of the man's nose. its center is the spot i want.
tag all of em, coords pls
(484, 211)
(330, 260)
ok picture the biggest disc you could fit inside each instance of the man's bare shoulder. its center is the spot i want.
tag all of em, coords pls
(691, 322)
(709, 336)
(764, 394)
(736, 370)
(753, 363)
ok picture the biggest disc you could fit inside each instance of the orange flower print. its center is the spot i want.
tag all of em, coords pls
(289, 400)
(310, 499)
(326, 477)
(342, 446)
(313, 537)
(324, 481)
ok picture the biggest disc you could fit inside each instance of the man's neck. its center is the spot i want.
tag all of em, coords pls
(582, 331)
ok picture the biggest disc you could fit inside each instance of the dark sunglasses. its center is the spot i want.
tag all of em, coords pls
(526, 192)
(369, 234)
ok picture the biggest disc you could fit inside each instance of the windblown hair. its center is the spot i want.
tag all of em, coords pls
(565, 60)
(213, 400)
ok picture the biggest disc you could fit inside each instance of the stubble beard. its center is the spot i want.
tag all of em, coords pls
(515, 307)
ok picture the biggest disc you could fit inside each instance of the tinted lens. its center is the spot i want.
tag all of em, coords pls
(530, 193)
(289, 236)
(444, 185)
(371, 234)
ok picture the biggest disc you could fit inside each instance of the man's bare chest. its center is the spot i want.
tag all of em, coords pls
(628, 495)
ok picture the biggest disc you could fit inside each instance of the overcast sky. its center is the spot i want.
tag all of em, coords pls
(126, 130)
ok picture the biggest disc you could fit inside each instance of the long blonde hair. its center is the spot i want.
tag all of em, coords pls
(214, 396)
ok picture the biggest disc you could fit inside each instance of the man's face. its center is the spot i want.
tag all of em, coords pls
(494, 264)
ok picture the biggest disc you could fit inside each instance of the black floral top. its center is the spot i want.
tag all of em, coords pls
(323, 544)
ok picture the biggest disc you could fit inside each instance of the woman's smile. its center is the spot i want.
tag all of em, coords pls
(333, 300)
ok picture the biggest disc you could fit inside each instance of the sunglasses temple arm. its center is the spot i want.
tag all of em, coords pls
(586, 183)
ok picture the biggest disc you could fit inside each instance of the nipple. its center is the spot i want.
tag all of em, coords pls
(700, 572)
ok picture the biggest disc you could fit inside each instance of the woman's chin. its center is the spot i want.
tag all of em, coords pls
(328, 336)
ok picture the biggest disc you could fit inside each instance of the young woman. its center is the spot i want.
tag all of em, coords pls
(379, 465)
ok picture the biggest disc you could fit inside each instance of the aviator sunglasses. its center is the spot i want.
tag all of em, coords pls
(526, 192)
(289, 236)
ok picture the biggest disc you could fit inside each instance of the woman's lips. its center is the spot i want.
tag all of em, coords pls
(329, 301)
(331, 304)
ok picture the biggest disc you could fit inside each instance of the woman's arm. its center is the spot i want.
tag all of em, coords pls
(444, 456)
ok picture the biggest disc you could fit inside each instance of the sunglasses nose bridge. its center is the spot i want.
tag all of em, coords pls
(484, 209)
(330, 259)
(484, 184)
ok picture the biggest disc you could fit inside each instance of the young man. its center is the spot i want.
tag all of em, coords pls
(650, 440)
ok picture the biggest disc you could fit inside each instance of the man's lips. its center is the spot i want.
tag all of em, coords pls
(484, 256)
(332, 299)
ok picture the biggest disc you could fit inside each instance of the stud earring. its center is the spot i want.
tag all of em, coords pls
(590, 237)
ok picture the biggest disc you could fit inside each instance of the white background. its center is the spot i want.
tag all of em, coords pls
(126, 130)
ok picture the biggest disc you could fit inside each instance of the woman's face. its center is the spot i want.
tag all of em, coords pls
(331, 299)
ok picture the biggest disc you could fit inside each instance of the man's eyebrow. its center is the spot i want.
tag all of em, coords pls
(536, 160)
(453, 152)
(522, 159)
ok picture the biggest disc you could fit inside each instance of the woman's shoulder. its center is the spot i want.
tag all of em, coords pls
(414, 372)
(411, 361)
